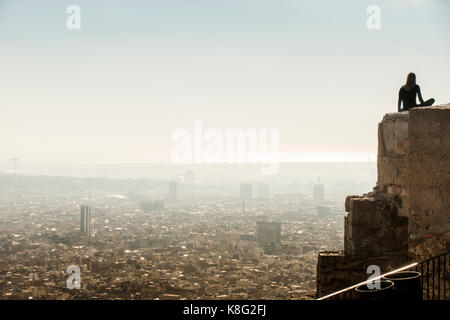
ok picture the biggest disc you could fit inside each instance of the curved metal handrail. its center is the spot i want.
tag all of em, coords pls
(431, 268)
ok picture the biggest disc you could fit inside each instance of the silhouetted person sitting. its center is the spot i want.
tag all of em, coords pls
(408, 94)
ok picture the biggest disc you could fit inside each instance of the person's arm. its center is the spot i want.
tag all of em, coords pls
(419, 94)
(400, 100)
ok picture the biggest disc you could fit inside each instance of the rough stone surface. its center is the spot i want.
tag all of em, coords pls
(429, 181)
(407, 216)
(373, 227)
(393, 147)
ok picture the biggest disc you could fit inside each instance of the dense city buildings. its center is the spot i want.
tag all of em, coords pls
(150, 206)
(323, 211)
(246, 191)
(268, 233)
(200, 247)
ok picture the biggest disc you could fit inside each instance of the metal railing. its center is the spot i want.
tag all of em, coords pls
(435, 277)
(434, 281)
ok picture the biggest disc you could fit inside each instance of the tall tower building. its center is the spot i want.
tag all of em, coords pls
(318, 191)
(246, 191)
(85, 220)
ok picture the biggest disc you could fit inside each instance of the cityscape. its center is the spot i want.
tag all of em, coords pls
(155, 239)
(238, 158)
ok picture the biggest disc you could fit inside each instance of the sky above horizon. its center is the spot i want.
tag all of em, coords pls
(115, 90)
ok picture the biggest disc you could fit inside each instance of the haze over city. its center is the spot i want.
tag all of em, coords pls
(115, 90)
(232, 150)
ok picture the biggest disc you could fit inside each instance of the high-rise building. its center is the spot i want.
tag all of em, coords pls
(268, 233)
(318, 193)
(189, 177)
(85, 220)
(172, 196)
(263, 191)
(246, 191)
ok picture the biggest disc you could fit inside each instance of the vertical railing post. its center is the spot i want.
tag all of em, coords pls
(428, 277)
(439, 278)
(434, 268)
(422, 283)
(445, 277)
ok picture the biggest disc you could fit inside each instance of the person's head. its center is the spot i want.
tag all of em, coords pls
(410, 81)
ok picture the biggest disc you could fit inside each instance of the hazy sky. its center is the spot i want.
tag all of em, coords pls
(114, 91)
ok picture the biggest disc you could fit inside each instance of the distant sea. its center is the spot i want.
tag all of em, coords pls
(361, 172)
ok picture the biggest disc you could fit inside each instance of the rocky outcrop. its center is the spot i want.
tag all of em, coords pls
(373, 227)
(429, 181)
(407, 216)
(392, 160)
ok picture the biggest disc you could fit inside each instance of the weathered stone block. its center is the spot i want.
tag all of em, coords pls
(410, 209)
(429, 179)
(393, 146)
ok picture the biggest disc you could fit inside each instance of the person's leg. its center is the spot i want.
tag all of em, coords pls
(427, 103)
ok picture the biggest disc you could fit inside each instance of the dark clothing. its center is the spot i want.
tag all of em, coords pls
(427, 103)
(408, 97)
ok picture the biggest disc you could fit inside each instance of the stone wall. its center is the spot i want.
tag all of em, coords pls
(407, 216)
(374, 235)
(373, 226)
(392, 162)
(429, 181)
